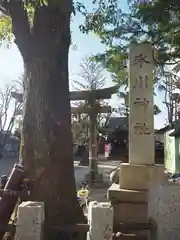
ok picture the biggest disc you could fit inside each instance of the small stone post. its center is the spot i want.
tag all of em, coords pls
(30, 221)
(100, 220)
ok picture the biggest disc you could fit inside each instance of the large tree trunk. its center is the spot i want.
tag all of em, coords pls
(46, 144)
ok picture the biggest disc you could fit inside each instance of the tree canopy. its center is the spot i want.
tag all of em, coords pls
(154, 21)
(161, 24)
(146, 21)
(22, 22)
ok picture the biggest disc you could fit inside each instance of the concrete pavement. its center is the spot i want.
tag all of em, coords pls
(104, 167)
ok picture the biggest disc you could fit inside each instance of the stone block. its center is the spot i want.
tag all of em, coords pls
(164, 210)
(116, 194)
(138, 177)
(30, 219)
(100, 220)
(129, 212)
(129, 205)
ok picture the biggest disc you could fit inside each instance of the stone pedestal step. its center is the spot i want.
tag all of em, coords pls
(130, 237)
(125, 212)
(128, 205)
(134, 230)
(117, 195)
(140, 176)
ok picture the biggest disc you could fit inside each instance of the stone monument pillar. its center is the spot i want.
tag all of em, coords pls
(130, 197)
(141, 115)
(141, 169)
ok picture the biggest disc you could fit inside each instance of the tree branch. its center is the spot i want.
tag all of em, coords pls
(20, 25)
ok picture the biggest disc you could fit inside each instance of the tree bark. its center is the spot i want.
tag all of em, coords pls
(46, 142)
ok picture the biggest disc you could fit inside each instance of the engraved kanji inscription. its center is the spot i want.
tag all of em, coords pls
(141, 129)
(142, 103)
(140, 60)
(141, 82)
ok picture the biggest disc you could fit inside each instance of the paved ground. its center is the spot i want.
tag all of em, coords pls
(6, 165)
(98, 194)
(104, 167)
(80, 171)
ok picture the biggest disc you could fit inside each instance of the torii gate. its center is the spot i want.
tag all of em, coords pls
(91, 97)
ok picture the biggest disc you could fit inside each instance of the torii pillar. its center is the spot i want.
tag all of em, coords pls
(94, 108)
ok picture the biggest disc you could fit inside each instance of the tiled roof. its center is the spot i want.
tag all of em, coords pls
(118, 122)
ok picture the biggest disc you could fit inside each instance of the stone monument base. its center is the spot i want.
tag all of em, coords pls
(139, 177)
(129, 205)
(129, 198)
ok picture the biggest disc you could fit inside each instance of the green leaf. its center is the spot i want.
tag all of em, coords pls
(5, 29)
(44, 2)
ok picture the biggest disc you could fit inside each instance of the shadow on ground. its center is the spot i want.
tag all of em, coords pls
(80, 172)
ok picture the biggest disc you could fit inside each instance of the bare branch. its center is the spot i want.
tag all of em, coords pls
(6, 101)
(92, 75)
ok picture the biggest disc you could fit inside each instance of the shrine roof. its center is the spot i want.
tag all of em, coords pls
(118, 122)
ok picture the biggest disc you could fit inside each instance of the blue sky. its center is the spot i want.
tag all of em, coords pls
(12, 65)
